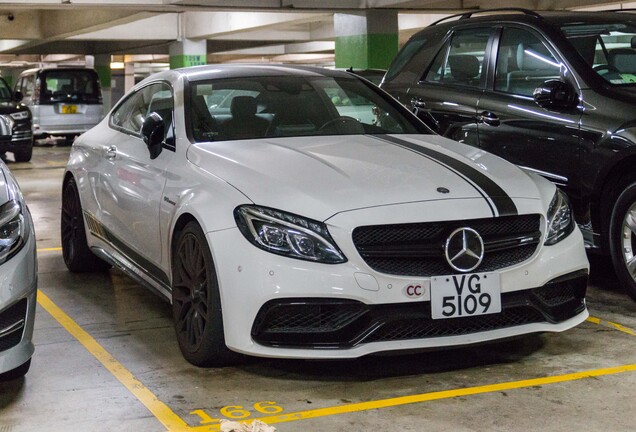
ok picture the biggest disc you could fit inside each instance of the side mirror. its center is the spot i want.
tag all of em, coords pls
(6, 127)
(153, 131)
(555, 94)
(18, 96)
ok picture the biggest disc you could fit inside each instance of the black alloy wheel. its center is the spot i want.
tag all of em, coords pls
(75, 251)
(196, 302)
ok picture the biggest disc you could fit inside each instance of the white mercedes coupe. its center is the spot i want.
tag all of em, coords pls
(303, 213)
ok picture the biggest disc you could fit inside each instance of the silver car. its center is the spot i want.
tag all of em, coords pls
(18, 278)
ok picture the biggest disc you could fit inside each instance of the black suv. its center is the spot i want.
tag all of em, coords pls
(554, 92)
(21, 142)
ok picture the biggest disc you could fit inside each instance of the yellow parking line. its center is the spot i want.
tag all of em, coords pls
(160, 410)
(53, 249)
(426, 397)
(613, 325)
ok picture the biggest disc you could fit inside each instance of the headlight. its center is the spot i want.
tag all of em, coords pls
(287, 234)
(560, 220)
(20, 115)
(12, 230)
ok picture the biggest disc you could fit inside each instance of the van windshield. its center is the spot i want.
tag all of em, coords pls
(78, 85)
(609, 49)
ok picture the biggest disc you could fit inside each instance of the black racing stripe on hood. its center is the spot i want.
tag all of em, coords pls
(490, 190)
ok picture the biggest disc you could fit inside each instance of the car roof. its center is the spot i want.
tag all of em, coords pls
(556, 18)
(216, 71)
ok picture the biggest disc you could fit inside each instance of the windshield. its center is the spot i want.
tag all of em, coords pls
(5, 91)
(610, 49)
(258, 107)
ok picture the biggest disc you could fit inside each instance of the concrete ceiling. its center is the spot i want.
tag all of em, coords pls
(277, 30)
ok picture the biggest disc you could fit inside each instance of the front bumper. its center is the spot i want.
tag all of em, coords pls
(379, 315)
(18, 290)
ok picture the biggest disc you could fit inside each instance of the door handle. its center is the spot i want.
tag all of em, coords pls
(418, 103)
(111, 152)
(489, 118)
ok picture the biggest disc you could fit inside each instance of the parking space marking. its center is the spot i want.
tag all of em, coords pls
(611, 324)
(160, 410)
(53, 249)
(426, 397)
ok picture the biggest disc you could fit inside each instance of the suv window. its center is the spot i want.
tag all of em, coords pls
(607, 48)
(523, 63)
(460, 61)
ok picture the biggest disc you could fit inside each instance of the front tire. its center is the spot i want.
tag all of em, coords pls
(77, 255)
(196, 303)
(623, 239)
(23, 155)
(16, 373)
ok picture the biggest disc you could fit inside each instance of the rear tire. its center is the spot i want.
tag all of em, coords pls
(77, 255)
(16, 373)
(196, 303)
(622, 238)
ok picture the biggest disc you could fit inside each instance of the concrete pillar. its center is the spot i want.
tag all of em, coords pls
(188, 52)
(366, 40)
(102, 66)
(129, 76)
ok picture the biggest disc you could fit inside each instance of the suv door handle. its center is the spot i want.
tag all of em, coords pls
(111, 152)
(418, 103)
(489, 118)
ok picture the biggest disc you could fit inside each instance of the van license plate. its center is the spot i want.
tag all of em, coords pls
(68, 109)
(465, 295)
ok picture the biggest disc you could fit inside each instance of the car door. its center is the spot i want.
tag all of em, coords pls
(513, 126)
(446, 97)
(131, 183)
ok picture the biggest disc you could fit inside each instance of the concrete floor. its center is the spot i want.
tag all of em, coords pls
(106, 359)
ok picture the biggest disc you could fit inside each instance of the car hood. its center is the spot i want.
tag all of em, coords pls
(320, 176)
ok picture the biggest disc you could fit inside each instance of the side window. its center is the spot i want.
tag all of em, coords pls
(461, 61)
(523, 63)
(128, 116)
(133, 111)
(26, 86)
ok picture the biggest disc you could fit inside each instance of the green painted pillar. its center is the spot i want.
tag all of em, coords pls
(366, 40)
(102, 67)
(188, 52)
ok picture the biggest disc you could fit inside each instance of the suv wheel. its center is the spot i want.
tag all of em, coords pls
(23, 155)
(623, 238)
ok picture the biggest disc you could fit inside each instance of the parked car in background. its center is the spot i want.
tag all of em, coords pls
(18, 276)
(63, 101)
(19, 140)
(280, 227)
(553, 92)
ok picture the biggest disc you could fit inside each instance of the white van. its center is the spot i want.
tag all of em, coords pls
(63, 101)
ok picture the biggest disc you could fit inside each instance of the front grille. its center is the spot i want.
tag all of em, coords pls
(21, 135)
(417, 249)
(337, 323)
(12, 318)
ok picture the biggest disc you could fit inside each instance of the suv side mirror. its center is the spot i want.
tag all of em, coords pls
(555, 94)
(18, 96)
(153, 132)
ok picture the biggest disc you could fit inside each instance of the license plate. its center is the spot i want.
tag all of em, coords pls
(465, 295)
(68, 109)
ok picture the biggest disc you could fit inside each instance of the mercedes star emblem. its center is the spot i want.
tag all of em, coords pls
(464, 249)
